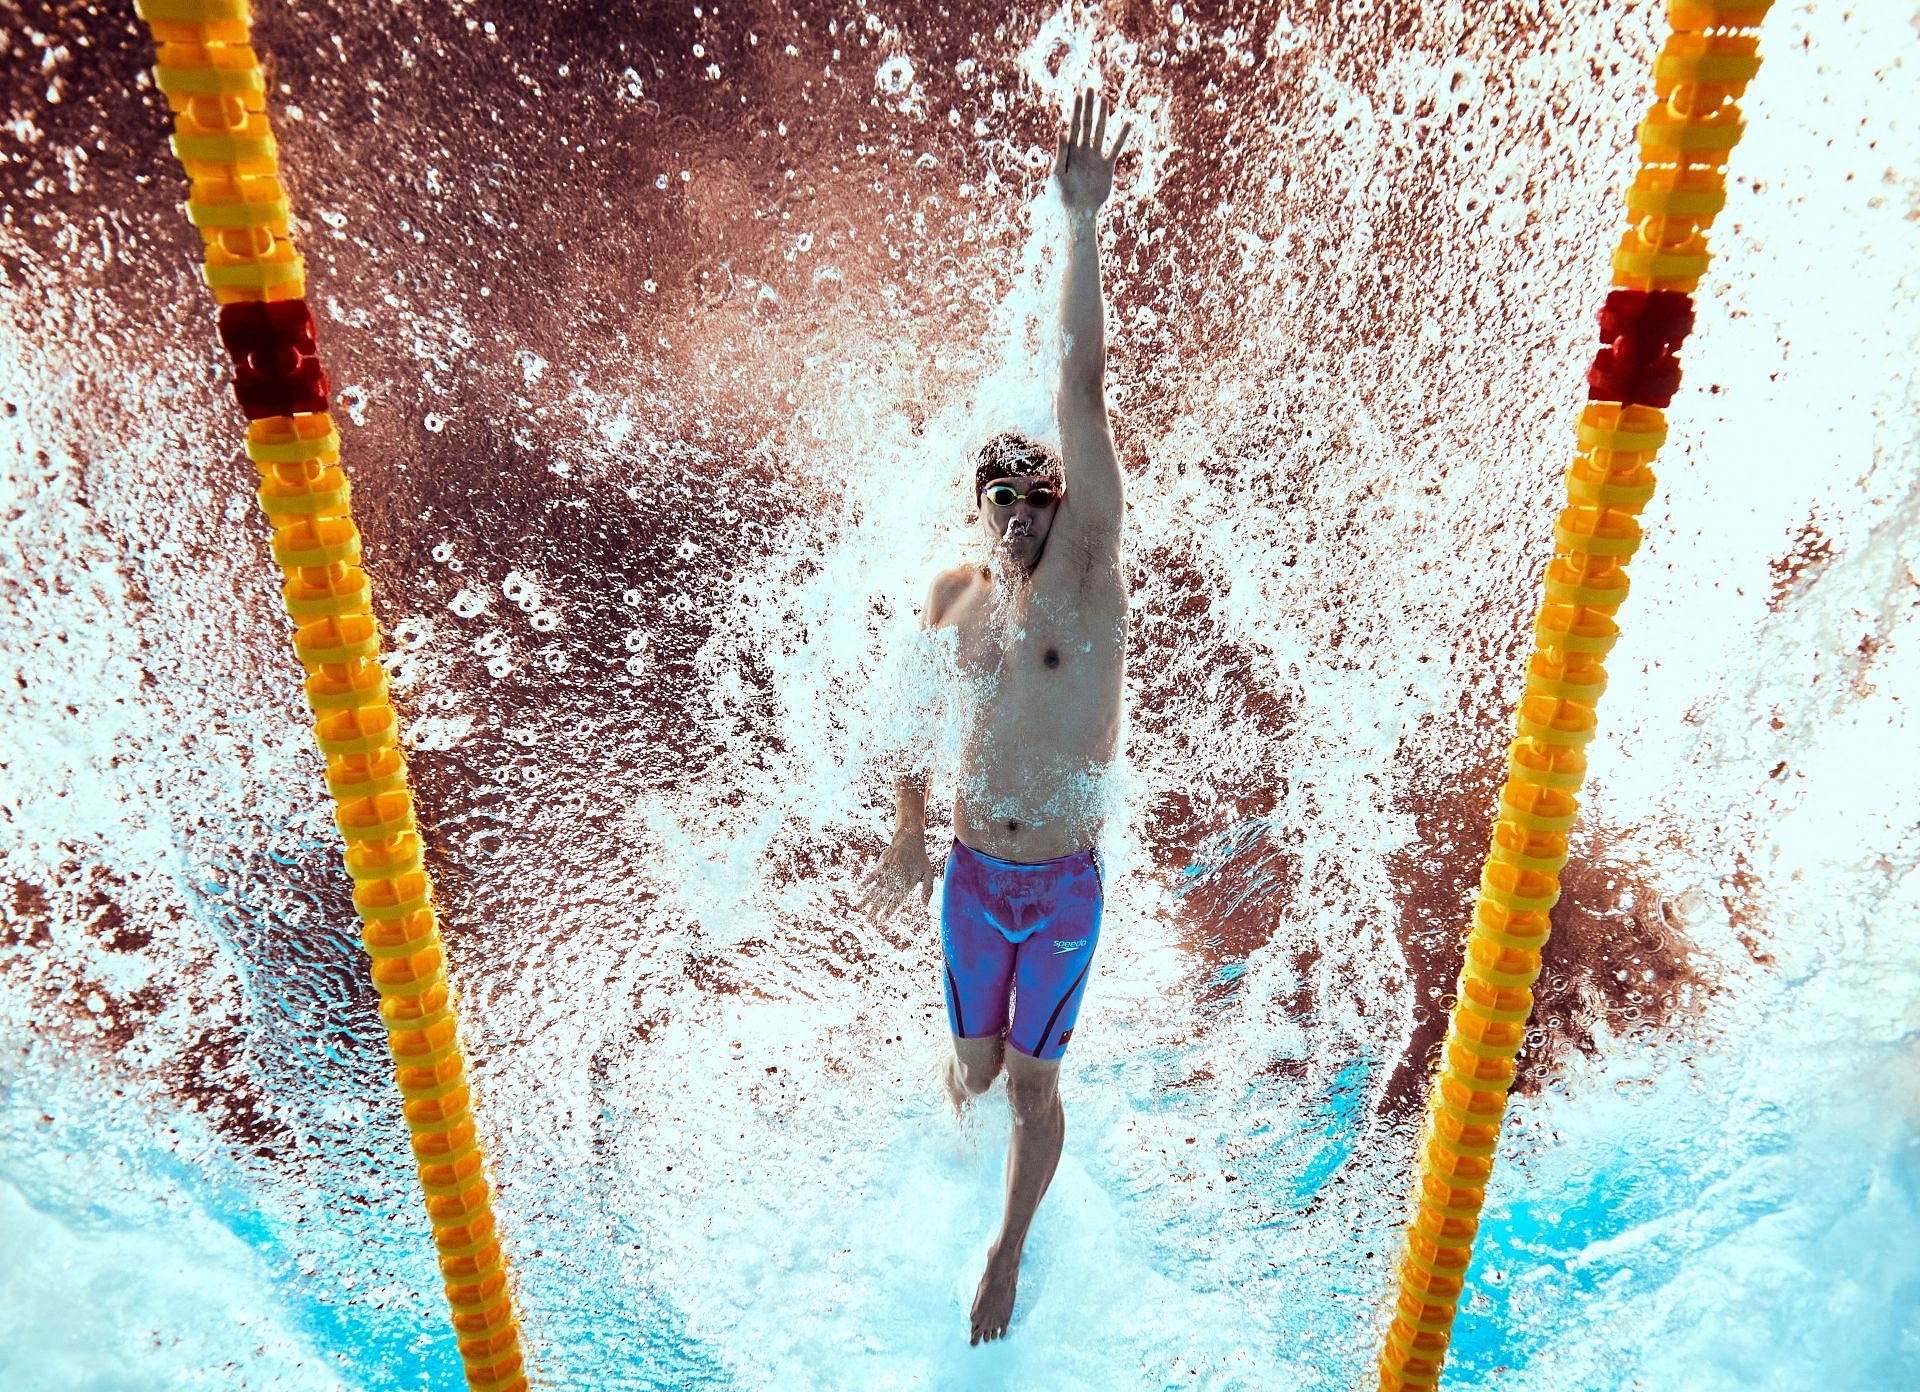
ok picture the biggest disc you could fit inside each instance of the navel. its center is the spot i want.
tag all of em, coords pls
(1013, 826)
(1053, 657)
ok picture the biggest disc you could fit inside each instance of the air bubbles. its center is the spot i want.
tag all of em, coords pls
(412, 632)
(632, 598)
(435, 422)
(468, 603)
(545, 621)
(1465, 83)
(555, 660)
(521, 590)
(636, 666)
(353, 400)
(895, 76)
(498, 667)
(492, 643)
(635, 640)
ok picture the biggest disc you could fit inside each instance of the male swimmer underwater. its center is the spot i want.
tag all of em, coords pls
(1040, 633)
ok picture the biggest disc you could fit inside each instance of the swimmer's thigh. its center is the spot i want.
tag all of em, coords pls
(978, 961)
(1054, 966)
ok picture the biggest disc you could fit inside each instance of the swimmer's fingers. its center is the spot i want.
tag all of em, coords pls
(1120, 144)
(1060, 158)
(870, 891)
(1073, 131)
(883, 894)
(1103, 106)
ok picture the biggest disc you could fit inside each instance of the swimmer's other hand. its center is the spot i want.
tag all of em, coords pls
(901, 869)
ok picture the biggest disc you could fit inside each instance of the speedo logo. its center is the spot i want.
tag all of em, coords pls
(1062, 946)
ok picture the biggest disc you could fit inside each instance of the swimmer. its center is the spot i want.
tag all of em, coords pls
(1040, 634)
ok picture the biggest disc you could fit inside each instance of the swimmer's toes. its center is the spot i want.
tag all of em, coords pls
(993, 1302)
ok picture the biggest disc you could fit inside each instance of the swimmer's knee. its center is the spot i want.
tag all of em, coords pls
(1033, 1087)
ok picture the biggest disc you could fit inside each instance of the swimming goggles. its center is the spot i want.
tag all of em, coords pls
(1003, 495)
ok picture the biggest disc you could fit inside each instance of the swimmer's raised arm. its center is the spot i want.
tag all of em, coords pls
(1085, 178)
(1091, 511)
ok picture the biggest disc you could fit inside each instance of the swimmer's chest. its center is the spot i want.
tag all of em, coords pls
(1044, 638)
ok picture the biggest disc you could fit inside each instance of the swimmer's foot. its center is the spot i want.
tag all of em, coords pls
(993, 1302)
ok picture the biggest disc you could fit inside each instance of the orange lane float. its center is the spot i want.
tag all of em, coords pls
(214, 85)
(1685, 140)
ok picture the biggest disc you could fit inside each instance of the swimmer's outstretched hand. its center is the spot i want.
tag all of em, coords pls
(901, 869)
(1086, 175)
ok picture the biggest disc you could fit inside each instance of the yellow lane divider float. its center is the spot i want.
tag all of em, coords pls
(1685, 141)
(215, 87)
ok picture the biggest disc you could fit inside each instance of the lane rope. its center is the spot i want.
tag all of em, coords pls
(216, 89)
(1685, 141)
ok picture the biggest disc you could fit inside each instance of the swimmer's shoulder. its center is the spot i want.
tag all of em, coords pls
(948, 588)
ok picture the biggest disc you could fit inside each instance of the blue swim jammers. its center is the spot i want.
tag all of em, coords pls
(1029, 930)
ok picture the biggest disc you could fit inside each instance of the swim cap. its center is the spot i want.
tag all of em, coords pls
(1011, 454)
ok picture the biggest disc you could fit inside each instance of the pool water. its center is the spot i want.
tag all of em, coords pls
(659, 344)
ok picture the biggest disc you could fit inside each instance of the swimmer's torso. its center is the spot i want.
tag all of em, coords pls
(1041, 668)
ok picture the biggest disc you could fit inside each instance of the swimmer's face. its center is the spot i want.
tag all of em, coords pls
(1017, 512)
